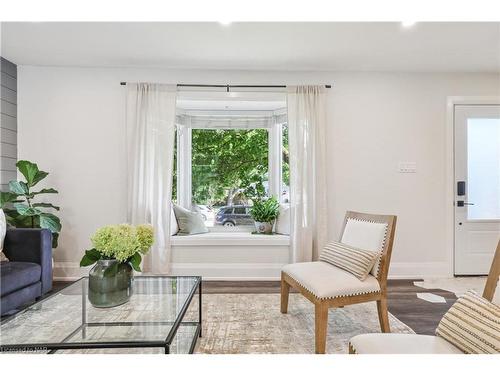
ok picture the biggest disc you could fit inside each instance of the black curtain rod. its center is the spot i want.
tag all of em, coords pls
(227, 87)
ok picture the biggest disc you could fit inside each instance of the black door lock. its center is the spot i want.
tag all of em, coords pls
(462, 203)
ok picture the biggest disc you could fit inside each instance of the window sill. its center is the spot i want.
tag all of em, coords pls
(230, 239)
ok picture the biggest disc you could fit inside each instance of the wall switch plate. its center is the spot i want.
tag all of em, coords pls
(407, 167)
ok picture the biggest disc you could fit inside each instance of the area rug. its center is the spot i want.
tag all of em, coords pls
(253, 323)
(232, 324)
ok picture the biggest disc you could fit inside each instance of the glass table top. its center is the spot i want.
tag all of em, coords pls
(146, 320)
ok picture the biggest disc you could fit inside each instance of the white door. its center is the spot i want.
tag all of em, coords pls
(477, 187)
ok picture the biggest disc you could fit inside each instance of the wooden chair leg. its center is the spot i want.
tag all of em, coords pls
(285, 290)
(383, 315)
(321, 325)
(351, 349)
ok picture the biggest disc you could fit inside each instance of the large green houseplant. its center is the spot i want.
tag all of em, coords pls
(22, 205)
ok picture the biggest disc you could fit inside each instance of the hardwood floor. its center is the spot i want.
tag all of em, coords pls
(422, 316)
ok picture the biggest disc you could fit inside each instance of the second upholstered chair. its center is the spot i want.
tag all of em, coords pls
(328, 286)
(472, 325)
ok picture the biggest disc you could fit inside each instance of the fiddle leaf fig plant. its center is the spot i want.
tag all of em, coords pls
(20, 206)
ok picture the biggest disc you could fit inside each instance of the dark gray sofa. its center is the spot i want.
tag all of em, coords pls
(28, 274)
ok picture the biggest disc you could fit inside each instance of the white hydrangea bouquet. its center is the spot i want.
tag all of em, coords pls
(125, 243)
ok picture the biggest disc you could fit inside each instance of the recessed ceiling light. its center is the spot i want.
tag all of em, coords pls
(225, 23)
(408, 23)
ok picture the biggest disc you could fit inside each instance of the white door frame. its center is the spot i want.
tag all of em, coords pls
(449, 197)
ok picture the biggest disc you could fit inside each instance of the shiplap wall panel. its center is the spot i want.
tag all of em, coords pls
(9, 151)
(8, 109)
(7, 164)
(8, 68)
(8, 95)
(8, 136)
(9, 81)
(8, 122)
(8, 176)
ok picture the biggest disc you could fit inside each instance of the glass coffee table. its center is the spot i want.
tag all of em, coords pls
(162, 316)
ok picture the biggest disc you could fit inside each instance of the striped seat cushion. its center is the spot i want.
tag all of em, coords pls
(356, 261)
(472, 324)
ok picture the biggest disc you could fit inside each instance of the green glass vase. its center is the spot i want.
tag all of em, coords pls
(109, 289)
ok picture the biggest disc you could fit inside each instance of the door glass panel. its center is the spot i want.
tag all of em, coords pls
(483, 168)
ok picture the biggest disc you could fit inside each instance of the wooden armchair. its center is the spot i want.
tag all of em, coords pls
(379, 343)
(327, 286)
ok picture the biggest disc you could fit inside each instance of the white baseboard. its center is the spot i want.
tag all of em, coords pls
(68, 271)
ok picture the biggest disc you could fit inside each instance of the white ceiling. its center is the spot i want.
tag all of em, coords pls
(426, 47)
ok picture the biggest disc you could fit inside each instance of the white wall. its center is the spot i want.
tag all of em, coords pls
(71, 122)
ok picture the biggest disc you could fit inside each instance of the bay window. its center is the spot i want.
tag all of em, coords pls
(227, 151)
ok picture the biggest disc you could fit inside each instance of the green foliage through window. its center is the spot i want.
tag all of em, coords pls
(226, 162)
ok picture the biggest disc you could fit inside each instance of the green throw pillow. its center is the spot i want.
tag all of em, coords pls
(189, 222)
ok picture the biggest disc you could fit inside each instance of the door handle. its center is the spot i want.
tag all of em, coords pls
(462, 203)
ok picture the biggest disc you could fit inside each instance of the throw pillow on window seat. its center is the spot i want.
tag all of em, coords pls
(189, 222)
(282, 225)
(174, 227)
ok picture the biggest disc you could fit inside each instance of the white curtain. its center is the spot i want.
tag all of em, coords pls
(150, 142)
(307, 147)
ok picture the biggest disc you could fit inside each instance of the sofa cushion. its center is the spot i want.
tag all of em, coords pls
(366, 235)
(472, 324)
(327, 281)
(356, 261)
(17, 275)
(12, 302)
(401, 343)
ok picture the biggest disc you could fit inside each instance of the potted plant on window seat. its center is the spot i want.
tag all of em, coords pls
(265, 211)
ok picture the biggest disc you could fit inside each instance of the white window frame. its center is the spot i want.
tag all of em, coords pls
(184, 171)
(184, 158)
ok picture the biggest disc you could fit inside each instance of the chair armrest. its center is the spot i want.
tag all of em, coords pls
(31, 245)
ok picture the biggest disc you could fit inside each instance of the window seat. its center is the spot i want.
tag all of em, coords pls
(230, 255)
(230, 239)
